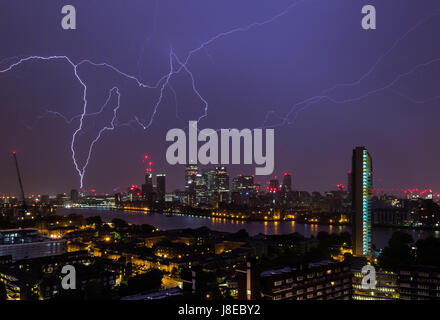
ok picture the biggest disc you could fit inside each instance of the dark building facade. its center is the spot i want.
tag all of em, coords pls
(161, 186)
(324, 280)
(419, 283)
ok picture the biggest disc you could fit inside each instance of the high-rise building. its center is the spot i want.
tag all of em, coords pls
(222, 183)
(221, 179)
(200, 189)
(274, 185)
(362, 189)
(287, 182)
(349, 182)
(243, 183)
(161, 186)
(243, 188)
(191, 172)
(74, 195)
(209, 176)
(45, 199)
(147, 188)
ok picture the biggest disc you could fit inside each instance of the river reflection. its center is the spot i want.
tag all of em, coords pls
(381, 235)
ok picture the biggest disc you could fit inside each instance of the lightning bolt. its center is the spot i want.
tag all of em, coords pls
(164, 83)
(106, 128)
(325, 94)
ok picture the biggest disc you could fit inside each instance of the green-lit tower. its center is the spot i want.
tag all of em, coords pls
(362, 190)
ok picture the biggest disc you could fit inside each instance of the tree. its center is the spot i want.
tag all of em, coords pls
(146, 229)
(97, 221)
(3, 293)
(428, 251)
(240, 234)
(95, 291)
(149, 281)
(119, 223)
(398, 251)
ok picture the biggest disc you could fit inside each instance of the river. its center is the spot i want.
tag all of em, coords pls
(381, 235)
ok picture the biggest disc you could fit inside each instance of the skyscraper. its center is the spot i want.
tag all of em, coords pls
(74, 195)
(222, 179)
(161, 186)
(349, 182)
(191, 172)
(222, 183)
(243, 184)
(209, 176)
(147, 188)
(287, 182)
(362, 184)
(274, 185)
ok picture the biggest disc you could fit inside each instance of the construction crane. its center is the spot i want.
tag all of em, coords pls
(24, 207)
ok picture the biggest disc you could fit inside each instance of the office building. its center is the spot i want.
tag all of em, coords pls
(74, 196)
(287, 182)
(209, 176)
(161, 186)
(191, 172)
(222, 183)
(147, 188)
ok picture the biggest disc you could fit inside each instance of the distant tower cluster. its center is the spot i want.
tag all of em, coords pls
(150, 192)
(362, 190)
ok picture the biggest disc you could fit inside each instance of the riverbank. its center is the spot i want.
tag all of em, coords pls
(381, 235)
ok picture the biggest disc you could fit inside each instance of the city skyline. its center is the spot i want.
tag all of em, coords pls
(148, 170)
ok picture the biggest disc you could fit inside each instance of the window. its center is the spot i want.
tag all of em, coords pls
(278, 283)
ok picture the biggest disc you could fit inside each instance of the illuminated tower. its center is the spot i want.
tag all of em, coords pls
(362, 189)
(274, 185)
(161, 186)
(191, 172)
(209, 176)
(222, 183)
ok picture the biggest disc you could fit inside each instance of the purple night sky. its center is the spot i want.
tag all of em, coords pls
(252, 76)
